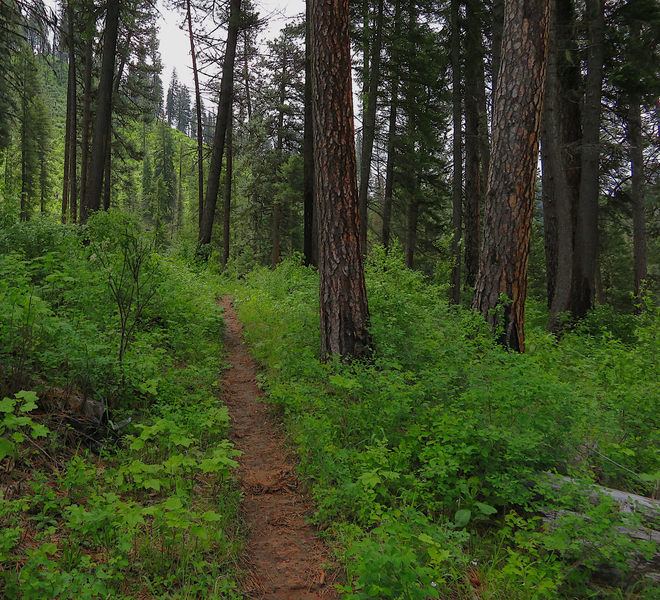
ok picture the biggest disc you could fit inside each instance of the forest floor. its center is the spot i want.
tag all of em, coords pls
(284, 558)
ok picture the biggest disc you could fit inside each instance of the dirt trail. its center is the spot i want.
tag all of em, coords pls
(285, 559)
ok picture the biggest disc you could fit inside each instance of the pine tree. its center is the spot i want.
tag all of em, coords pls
(516, 129)
(343, 299)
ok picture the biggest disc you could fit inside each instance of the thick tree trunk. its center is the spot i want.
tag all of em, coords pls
(369, 126)
(310, 243)
(509, 201)
(457, 152)
(584, 272)
(198, 110)
(224, 107)
(226, 219)
(639, 222)
(103, 121)
(474, 192)
(344, 311)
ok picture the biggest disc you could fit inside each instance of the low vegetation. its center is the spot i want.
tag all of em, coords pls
(102, 329)
(427, 465)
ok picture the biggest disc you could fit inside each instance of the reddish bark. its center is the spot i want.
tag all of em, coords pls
(342, 292)
(511, 178)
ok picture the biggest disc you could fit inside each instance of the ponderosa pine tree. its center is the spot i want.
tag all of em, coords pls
(344, 311)
(511, 178)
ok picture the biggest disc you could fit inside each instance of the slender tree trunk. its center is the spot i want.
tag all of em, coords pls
(584, 273)
(369, 125)
(457, 153)
(509, 201)
(561, 159)
(103, 121)
(107, 173)
(25, 201)
(277, 208)
(498, 23)
(310, 238)
(389, 165)
(246, 76)
(42, 181)
(639, 222)
(474, 76)
(198, 110)
(343, 305)
(558, 229)
(73, 159)
(391, 136)
(226, 221)
(84, 142)
(549, 195)
(412, 218)
(224, 107)
(178, 222)
(70, 101)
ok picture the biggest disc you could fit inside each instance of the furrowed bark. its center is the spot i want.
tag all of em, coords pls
(511, 178)
(344, 313)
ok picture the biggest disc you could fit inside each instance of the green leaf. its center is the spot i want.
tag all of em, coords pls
(39, 430)
(462, 517)
(370, 479)
(7, 405)
(153, 484)
(427, 539)
(210, 516)
(6, 447)
(173, 503)
(485, 509)
(137, 444)
(199, 532)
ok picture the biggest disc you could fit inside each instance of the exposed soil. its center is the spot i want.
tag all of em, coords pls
(285, 559)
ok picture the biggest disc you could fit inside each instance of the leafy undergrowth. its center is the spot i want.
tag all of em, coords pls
(86, 512)
(426, 465)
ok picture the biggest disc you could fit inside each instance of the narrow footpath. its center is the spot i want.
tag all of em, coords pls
(285, 559)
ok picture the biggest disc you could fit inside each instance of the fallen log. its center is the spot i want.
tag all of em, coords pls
(648, 508)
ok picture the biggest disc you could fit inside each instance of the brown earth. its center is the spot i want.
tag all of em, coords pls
(285, 560)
